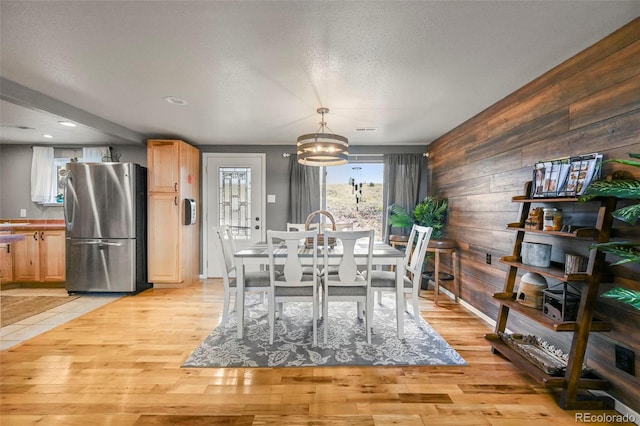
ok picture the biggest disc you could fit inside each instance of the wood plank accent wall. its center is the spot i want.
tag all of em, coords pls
(589, 103)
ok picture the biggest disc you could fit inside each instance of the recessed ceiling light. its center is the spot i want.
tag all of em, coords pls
(174, 100)
(48, 136)
(67, 123)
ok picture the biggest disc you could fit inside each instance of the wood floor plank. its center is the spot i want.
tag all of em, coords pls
(153, 420)
(121, 365)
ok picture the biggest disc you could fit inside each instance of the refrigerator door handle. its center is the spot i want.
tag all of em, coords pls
(96, 243)
(68, 202)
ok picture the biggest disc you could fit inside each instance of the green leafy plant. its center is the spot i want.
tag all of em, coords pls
(627, 251)
(630, 297)
(626, 189)
(432, 211)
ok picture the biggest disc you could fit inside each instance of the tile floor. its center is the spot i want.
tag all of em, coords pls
(27, 328)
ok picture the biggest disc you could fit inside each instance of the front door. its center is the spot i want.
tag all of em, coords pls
(235, 195)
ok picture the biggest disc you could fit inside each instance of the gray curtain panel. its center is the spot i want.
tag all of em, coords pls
(402, 175)
(304, 190)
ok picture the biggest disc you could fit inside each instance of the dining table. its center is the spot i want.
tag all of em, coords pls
(257, 256)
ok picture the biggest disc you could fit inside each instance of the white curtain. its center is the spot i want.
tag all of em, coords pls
(43, 179)
(95, 154)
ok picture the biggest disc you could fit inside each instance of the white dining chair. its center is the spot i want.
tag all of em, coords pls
(292, 285)
(256, 281)
(347, 284)
(299, 227)
(416, 250)
(295, 227)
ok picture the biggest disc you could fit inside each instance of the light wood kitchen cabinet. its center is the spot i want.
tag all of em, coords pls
(164, 238)
(6, 261)
(52, 256)
(163, 165)
(173, 246)
(40, 257)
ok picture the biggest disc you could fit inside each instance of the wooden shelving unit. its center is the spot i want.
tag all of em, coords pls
(508, 299)
(573, 382)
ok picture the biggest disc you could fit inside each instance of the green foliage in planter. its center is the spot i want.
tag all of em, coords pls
(621, 188)
(431, 211)
(627, 251)
(630, 297)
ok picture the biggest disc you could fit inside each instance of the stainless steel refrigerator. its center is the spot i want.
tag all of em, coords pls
(106, 216)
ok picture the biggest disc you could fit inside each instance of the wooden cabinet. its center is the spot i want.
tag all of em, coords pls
(573, 380)
(173, 246)
(164, 238)
(163, 166)
(52, 256)
(6, 261)
(40, 257)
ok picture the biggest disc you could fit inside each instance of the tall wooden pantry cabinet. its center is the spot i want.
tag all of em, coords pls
(174, 193)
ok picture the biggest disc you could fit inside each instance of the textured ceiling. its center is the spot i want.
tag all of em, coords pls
(255, 72)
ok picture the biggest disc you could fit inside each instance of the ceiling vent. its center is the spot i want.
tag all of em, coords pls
(366, 129)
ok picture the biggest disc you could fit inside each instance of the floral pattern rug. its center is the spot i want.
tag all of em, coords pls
(346, 343)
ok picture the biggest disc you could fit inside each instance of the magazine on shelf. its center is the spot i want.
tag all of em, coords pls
(584, 169)
(538, 180)
(565, 177)
(549, 177)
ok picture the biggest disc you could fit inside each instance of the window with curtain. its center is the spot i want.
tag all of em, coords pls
(402, 176)
(43, 178)
(304, 190)
(95, 154)
(398, 179)
(49, 169)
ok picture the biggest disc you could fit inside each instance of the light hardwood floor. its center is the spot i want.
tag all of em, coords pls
(120, 365)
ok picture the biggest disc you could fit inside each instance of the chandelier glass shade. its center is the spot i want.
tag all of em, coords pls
(322, 148)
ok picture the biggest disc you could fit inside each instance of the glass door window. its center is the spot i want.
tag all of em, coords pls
(234, 206)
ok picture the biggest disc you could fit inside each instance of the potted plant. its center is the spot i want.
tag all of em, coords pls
(432, 211)
(627, 251)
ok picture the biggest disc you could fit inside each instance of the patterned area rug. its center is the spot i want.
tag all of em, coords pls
(346, 344)
(16, 308)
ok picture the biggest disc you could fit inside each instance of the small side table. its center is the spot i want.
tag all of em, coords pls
(398, 240)
(448, 247)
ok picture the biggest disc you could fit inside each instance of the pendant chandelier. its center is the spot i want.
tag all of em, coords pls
(322, 149)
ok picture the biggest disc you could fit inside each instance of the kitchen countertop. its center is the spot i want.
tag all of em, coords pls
(8, 239)
(11, 225)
